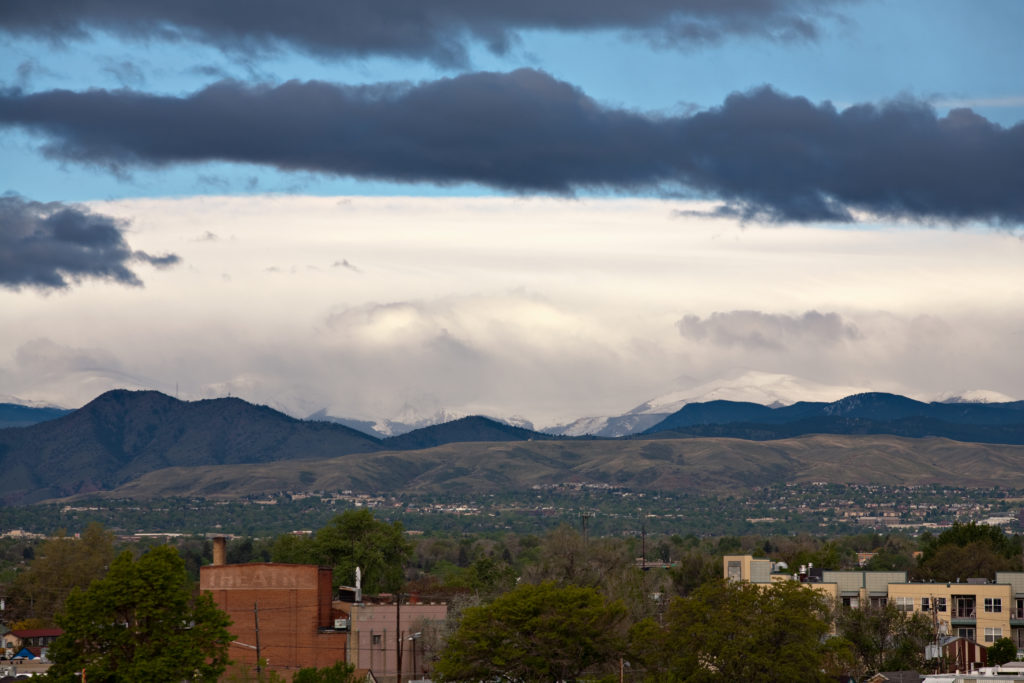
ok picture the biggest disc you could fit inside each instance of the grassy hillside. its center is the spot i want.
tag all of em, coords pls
(694, 465)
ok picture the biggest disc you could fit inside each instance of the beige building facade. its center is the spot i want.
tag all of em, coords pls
(980, 610)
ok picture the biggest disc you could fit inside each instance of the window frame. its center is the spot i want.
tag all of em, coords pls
(903, 604)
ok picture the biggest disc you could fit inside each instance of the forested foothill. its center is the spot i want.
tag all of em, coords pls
(567, 604)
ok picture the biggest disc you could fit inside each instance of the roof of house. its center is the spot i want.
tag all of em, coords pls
(897, 677)
(37, 632)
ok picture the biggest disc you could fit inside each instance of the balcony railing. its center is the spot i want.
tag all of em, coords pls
(963, 613)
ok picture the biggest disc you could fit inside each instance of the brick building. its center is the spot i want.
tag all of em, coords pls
(283, 609)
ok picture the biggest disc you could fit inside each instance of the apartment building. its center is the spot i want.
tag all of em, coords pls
(977, 609)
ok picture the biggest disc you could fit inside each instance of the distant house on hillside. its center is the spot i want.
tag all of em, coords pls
(33, 641)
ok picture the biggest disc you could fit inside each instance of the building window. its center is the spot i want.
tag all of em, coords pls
(375, 640)
(878, 602)
(851, 601)
(965, 633)
(926, 604)
(1017, 634)
(993, 604)
(940, 604)
(735, 571)
(993, 634)
(904, 604)
(963, 607)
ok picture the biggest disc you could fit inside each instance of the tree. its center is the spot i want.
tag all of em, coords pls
(885, 639)
(1002, 651)
(693, 569)
(732, 631)
(966, 550)
(61, 564)
(605, 564)
(353, 539)
(540, 632)
(339, 673)
(141, 623)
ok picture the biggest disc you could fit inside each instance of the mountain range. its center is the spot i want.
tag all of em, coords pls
(868, 413)
(124, 436)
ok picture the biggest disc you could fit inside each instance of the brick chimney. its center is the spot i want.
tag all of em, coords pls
(220, 550)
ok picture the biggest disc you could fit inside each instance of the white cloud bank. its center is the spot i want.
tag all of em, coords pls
(551, 309)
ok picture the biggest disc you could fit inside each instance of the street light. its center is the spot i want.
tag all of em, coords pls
(416, 636)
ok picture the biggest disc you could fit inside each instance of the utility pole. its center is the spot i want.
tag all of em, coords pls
(256, 621)
(643, 540)
(398, 636)
(413, 638)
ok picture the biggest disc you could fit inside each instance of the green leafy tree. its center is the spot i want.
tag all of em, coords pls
(353, 539)
(693, 569)
(292, 549)
(605, 564)
(61, 564)
(885, 639)
(342, 672)
(141, 622)
(966, 550)
(566, 558)
(540, 632)
(484, 576)
(1002, 651)
(732, 631)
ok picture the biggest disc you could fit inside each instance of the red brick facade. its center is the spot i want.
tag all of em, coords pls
(293, 605)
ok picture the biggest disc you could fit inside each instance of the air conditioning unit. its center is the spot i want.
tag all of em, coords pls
(341, 624)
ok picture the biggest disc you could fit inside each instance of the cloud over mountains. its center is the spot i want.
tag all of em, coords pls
(771, 331)
(767, 155)
(440, 31)
(49, 245)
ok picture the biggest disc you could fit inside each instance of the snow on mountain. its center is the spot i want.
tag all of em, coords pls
(770, 389)
(408, 421)
(620, 425)
(14, 400)
(766, 388)
(975, 396)
(411, 417)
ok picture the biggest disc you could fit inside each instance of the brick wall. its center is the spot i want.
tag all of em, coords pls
(293, 604)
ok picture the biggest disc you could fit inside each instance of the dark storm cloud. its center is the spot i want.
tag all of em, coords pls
(769, 156)
(46, 245)
(439, 30)
(754, 330)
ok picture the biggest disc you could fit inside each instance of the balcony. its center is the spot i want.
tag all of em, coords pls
(1017, 617)
(963, 616)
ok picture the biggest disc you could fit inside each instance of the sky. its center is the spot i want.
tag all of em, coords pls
(532, 209)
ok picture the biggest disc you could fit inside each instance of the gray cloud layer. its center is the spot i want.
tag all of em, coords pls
(46, 245)
(769, 331)
(770, 156)
(437, 30)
